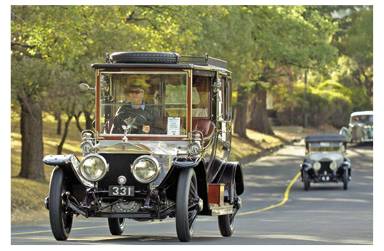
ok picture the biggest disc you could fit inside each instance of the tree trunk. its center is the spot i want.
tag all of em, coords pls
(88, 120)
(31, 129)
(241, 112)
(77, 118)
(259, 117)
(65, 133)
(58, 119)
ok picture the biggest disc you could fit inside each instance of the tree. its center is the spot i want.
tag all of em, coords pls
(30, 78)
(241, 111)
(356, 42)
(258, 40)
(38, 43)
(71, 38)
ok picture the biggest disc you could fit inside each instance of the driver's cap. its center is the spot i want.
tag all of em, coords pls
(134, 87)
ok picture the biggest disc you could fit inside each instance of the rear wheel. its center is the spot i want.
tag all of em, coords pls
(116, 225)
(60, 216)
(187, 200)
(226, 224)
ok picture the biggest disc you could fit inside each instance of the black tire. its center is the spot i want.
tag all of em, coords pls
(345, 180)
(116, 225)
(186, 209)
(60, 218)
(226, 224)
(306, 181)
(145, 57)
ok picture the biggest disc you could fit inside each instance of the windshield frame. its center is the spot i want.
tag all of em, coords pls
(369, 122)
(157, 137)
(341, 147)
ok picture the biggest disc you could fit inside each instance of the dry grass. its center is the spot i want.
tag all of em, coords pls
(257, 142)
(27, 200)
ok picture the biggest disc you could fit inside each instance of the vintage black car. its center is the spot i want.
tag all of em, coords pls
(325, 160)
(159, 148)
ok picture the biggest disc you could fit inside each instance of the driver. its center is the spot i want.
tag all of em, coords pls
(137, 115)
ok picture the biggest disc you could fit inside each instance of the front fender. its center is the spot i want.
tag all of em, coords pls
(306, 166)
(61, 160)
(183, 163)
(169, 183)
(70, 165)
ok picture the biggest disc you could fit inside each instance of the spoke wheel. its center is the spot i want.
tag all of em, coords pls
(186, 204)
(60, 216)
(116, 225)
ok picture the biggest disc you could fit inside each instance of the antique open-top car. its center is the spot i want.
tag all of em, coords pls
(159, 148)
(325, 160)
(360, 128)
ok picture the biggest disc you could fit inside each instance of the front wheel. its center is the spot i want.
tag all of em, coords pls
(187, 200)
(345, 180)
(306, 181)
(60, 216)
(116, 225)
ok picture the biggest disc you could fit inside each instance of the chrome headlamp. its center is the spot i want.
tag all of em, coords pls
(93, 167)
(317, 166)
(145, 169)
(333, 166)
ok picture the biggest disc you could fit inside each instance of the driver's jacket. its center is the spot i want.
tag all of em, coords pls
(145, 115)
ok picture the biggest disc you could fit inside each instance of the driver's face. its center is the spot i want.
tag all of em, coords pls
(136, 97)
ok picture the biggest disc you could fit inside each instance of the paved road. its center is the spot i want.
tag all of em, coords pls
(276, 210)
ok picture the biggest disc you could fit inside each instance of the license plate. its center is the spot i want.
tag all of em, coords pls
(121, 191)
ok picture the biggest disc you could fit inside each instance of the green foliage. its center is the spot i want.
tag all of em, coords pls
(358, 40)
(355, 41)
(262, 44)
(254, 37)
(333, 88)
(329, 102)
(30, 77)
(338, 99)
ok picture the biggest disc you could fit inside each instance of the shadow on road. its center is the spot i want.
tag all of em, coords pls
(147, 240)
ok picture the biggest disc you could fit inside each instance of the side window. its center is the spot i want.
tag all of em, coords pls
(200, 97)
(227, 98)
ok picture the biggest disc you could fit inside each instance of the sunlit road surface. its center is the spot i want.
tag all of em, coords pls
(276, 210)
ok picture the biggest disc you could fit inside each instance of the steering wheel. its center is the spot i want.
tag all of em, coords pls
(129, 118)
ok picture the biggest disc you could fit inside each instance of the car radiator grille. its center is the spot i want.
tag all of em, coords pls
(119, 164)
(325, 167)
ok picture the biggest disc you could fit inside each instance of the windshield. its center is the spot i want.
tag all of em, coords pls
(363, 119)
(143, 103)
(326, 147)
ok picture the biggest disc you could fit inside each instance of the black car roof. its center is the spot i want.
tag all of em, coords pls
(183, 62)
(325, 138)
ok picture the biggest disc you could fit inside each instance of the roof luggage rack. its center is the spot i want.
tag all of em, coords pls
(205, 61)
